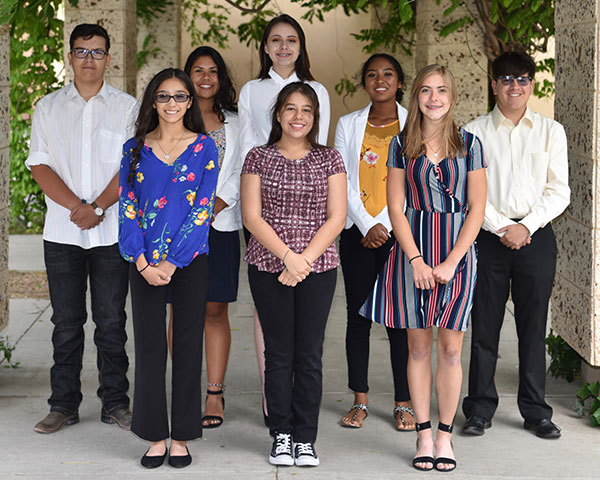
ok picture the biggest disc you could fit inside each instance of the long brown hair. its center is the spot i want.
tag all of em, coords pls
(285, 93)
(413, 139)
(302, 66)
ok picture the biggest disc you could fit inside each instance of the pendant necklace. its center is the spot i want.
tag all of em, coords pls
(169, 153)
(435, 153)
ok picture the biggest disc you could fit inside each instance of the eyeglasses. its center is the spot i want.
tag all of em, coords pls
(97, 54)
(507, 80)
(178, 97)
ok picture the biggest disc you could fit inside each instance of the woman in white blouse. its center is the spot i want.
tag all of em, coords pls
(216, 97)
(283, 60)
(363, 138)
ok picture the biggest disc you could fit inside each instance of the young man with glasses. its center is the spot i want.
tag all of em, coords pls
(76, 141)
(526, 154)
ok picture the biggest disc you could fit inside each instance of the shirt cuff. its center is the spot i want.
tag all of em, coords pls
(531, 222)
(37, 158)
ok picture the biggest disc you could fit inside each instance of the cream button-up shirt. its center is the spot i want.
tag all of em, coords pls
(83, 143)
(257, 98)
(528, 172)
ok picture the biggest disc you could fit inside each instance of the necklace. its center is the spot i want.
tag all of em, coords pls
(435, 152)
(167, 154)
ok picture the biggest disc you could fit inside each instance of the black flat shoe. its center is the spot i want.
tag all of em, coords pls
(476, 425)
(543, 428)
(180, 461)
(153, 462)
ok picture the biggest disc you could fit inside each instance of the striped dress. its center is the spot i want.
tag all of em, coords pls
(436, 207)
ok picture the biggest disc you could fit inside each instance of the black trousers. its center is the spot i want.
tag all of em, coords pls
(293, 321)
(188, 290)
(360, 267)
(68, 268)
(529, 273)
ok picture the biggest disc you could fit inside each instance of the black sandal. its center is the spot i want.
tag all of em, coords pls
(449, 461)
(219, 419)
(424, 459)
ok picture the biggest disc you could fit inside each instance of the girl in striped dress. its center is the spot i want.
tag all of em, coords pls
(437, 171)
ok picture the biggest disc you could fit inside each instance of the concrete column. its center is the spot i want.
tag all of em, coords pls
(4, 168)
(119, 19)
(167, 39)
(462, 52)
(576, 296)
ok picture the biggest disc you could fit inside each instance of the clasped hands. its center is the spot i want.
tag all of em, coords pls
(84, 217)
(159, 275)
(297, 267)
(376, 236)
(426, 278)
(515, 236)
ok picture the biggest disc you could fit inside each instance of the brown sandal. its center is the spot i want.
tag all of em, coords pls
(401, 409)
(357, 407)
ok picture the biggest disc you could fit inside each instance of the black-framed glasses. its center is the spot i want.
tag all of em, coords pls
(97, 54)
(507, 80)
(178, 97)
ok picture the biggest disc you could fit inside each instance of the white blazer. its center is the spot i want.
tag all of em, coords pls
(228, 184)
(349, 136)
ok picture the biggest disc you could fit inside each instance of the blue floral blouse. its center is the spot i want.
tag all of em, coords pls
(166, 213)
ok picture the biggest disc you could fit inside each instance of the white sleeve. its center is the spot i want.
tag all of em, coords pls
(228, 186)
(38, 147)
(356, 210)
(247, 134)
(557, 194)
(324, 114)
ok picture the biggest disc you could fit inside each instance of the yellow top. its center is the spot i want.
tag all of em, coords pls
(372, 171)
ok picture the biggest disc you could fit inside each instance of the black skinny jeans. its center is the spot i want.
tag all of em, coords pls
(360, 267)
(293, 321)
(68, 268)
(189, 286)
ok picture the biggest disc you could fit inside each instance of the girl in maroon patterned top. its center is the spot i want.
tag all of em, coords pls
(294, 204)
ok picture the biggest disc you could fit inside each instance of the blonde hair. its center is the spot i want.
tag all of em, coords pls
(413, 139)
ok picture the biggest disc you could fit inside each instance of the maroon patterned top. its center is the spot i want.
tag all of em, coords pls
(294, 201)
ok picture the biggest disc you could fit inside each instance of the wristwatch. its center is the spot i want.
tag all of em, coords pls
(99, 211)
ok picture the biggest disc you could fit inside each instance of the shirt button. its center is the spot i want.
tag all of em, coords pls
(86, 145)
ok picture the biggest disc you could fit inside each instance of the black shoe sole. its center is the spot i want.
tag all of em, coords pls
(549, 436)
(111, 421)
(476, 431)
(71, 421)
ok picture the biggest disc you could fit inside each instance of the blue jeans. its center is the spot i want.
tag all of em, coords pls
(68, 268)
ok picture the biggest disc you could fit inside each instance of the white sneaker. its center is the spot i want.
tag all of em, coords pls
(281, 452)
(305, 455)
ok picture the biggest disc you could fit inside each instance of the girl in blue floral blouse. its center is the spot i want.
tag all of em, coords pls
(166, 195)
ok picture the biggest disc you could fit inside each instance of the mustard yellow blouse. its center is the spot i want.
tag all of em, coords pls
(372, 171)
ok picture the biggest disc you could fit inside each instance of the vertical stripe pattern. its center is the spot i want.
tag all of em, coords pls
(436, 199)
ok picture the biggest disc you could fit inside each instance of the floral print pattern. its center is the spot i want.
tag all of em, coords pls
(166, 213)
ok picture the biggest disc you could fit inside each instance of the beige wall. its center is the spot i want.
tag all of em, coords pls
(332, 52)
(576, 295)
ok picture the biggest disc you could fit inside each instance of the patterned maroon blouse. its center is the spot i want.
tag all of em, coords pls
(294, 201)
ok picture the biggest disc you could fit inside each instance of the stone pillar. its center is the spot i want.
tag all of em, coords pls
(4, 168)
(119, 19)
(576, 295)
(462, 52)
(166, 38)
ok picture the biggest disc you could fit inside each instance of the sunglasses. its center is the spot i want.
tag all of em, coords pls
(178, 97)
(507, 80)
(97, 54)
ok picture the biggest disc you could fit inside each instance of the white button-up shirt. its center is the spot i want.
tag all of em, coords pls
(257, 99)
(82, 143)
(527, 174)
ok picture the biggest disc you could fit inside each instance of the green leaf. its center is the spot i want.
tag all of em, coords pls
(454, 26)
